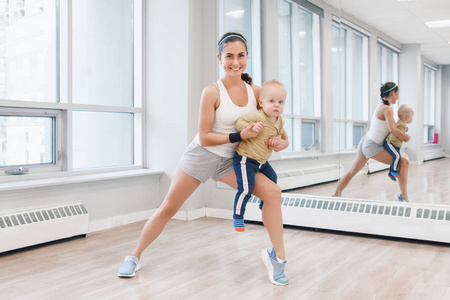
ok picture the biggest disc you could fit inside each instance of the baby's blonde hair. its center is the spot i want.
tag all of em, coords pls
(271, 83)
(405, 110)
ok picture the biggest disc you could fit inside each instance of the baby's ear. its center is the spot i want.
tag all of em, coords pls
(259, 103)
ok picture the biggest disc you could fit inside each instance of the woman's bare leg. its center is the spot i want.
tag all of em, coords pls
(386, 158)
(358, 164)
(403, 180)
(268, 191)
(181, 187)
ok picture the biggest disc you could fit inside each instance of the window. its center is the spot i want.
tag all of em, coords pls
(350, 87)
(102, 95)
(27, 138)
(388, 66)
(429, 102)
(65, 102)
(299, 71)
(243, 16)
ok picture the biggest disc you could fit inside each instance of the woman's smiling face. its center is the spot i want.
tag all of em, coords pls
(233, 58)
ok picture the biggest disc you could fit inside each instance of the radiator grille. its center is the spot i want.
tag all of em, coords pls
(40, 215)
(393, 210)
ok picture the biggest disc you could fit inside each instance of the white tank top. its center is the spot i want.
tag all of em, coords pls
(378, 128)
(226, 115)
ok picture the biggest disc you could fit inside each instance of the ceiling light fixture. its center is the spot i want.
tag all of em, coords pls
(236, 13)
(438, 24)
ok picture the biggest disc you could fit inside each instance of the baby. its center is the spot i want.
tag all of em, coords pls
(392, 144)
(252, 154)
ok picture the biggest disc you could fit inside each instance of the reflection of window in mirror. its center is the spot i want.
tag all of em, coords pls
(299, 45)
(351, 90)
(388, 66)
(429, 102)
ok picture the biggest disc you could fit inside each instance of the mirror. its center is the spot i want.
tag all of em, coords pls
(425, 180)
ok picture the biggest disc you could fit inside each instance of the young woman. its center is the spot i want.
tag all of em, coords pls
(371, 145)
(211, 153)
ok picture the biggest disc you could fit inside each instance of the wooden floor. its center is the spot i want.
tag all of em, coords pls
(427, 183)
(207, 259)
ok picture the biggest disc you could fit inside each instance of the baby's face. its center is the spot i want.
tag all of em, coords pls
(273, 101)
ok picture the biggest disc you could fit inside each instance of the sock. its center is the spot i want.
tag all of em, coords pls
(281, 261)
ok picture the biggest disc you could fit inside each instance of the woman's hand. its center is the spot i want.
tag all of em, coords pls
(252, 130)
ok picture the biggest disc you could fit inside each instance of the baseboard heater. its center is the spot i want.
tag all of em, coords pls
(433, 153)
(28, 227)
(384, 218)
(309, 176)
(375, 166)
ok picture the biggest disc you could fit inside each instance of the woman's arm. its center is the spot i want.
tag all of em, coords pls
(389, 117)
(209, 102)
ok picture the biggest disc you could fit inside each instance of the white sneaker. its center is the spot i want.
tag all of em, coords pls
(130, 266)
(275, 269)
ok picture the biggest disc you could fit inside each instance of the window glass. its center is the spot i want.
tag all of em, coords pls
(102, 37)
(358, 78)
(338, 50)
(285, 52)
(26, 140)
(28, 50)
(292, 127)
(306, 63)
(340, 135)
(308, 135)
(429, 90)
(387, 64)
(358, 133)
(102, 139)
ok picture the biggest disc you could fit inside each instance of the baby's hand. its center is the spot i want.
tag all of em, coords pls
(406, 129)
(258, 127)
(248, 132)
(273, 142)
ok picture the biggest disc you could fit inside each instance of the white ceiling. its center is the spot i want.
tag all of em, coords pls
(404, 21)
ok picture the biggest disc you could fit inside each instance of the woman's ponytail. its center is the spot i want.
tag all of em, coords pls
(247, 78)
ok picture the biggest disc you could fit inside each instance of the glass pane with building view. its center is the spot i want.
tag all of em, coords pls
(26, 140)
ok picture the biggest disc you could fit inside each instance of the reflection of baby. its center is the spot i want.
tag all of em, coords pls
(392, 144)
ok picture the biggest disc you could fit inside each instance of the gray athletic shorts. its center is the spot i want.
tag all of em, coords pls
(203, 164)
(368, 148)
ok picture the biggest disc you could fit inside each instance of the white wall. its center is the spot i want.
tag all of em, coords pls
(174, 81)
(411, 93)
(109, 202)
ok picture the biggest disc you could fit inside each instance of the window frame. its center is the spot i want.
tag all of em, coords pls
(57, 132)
